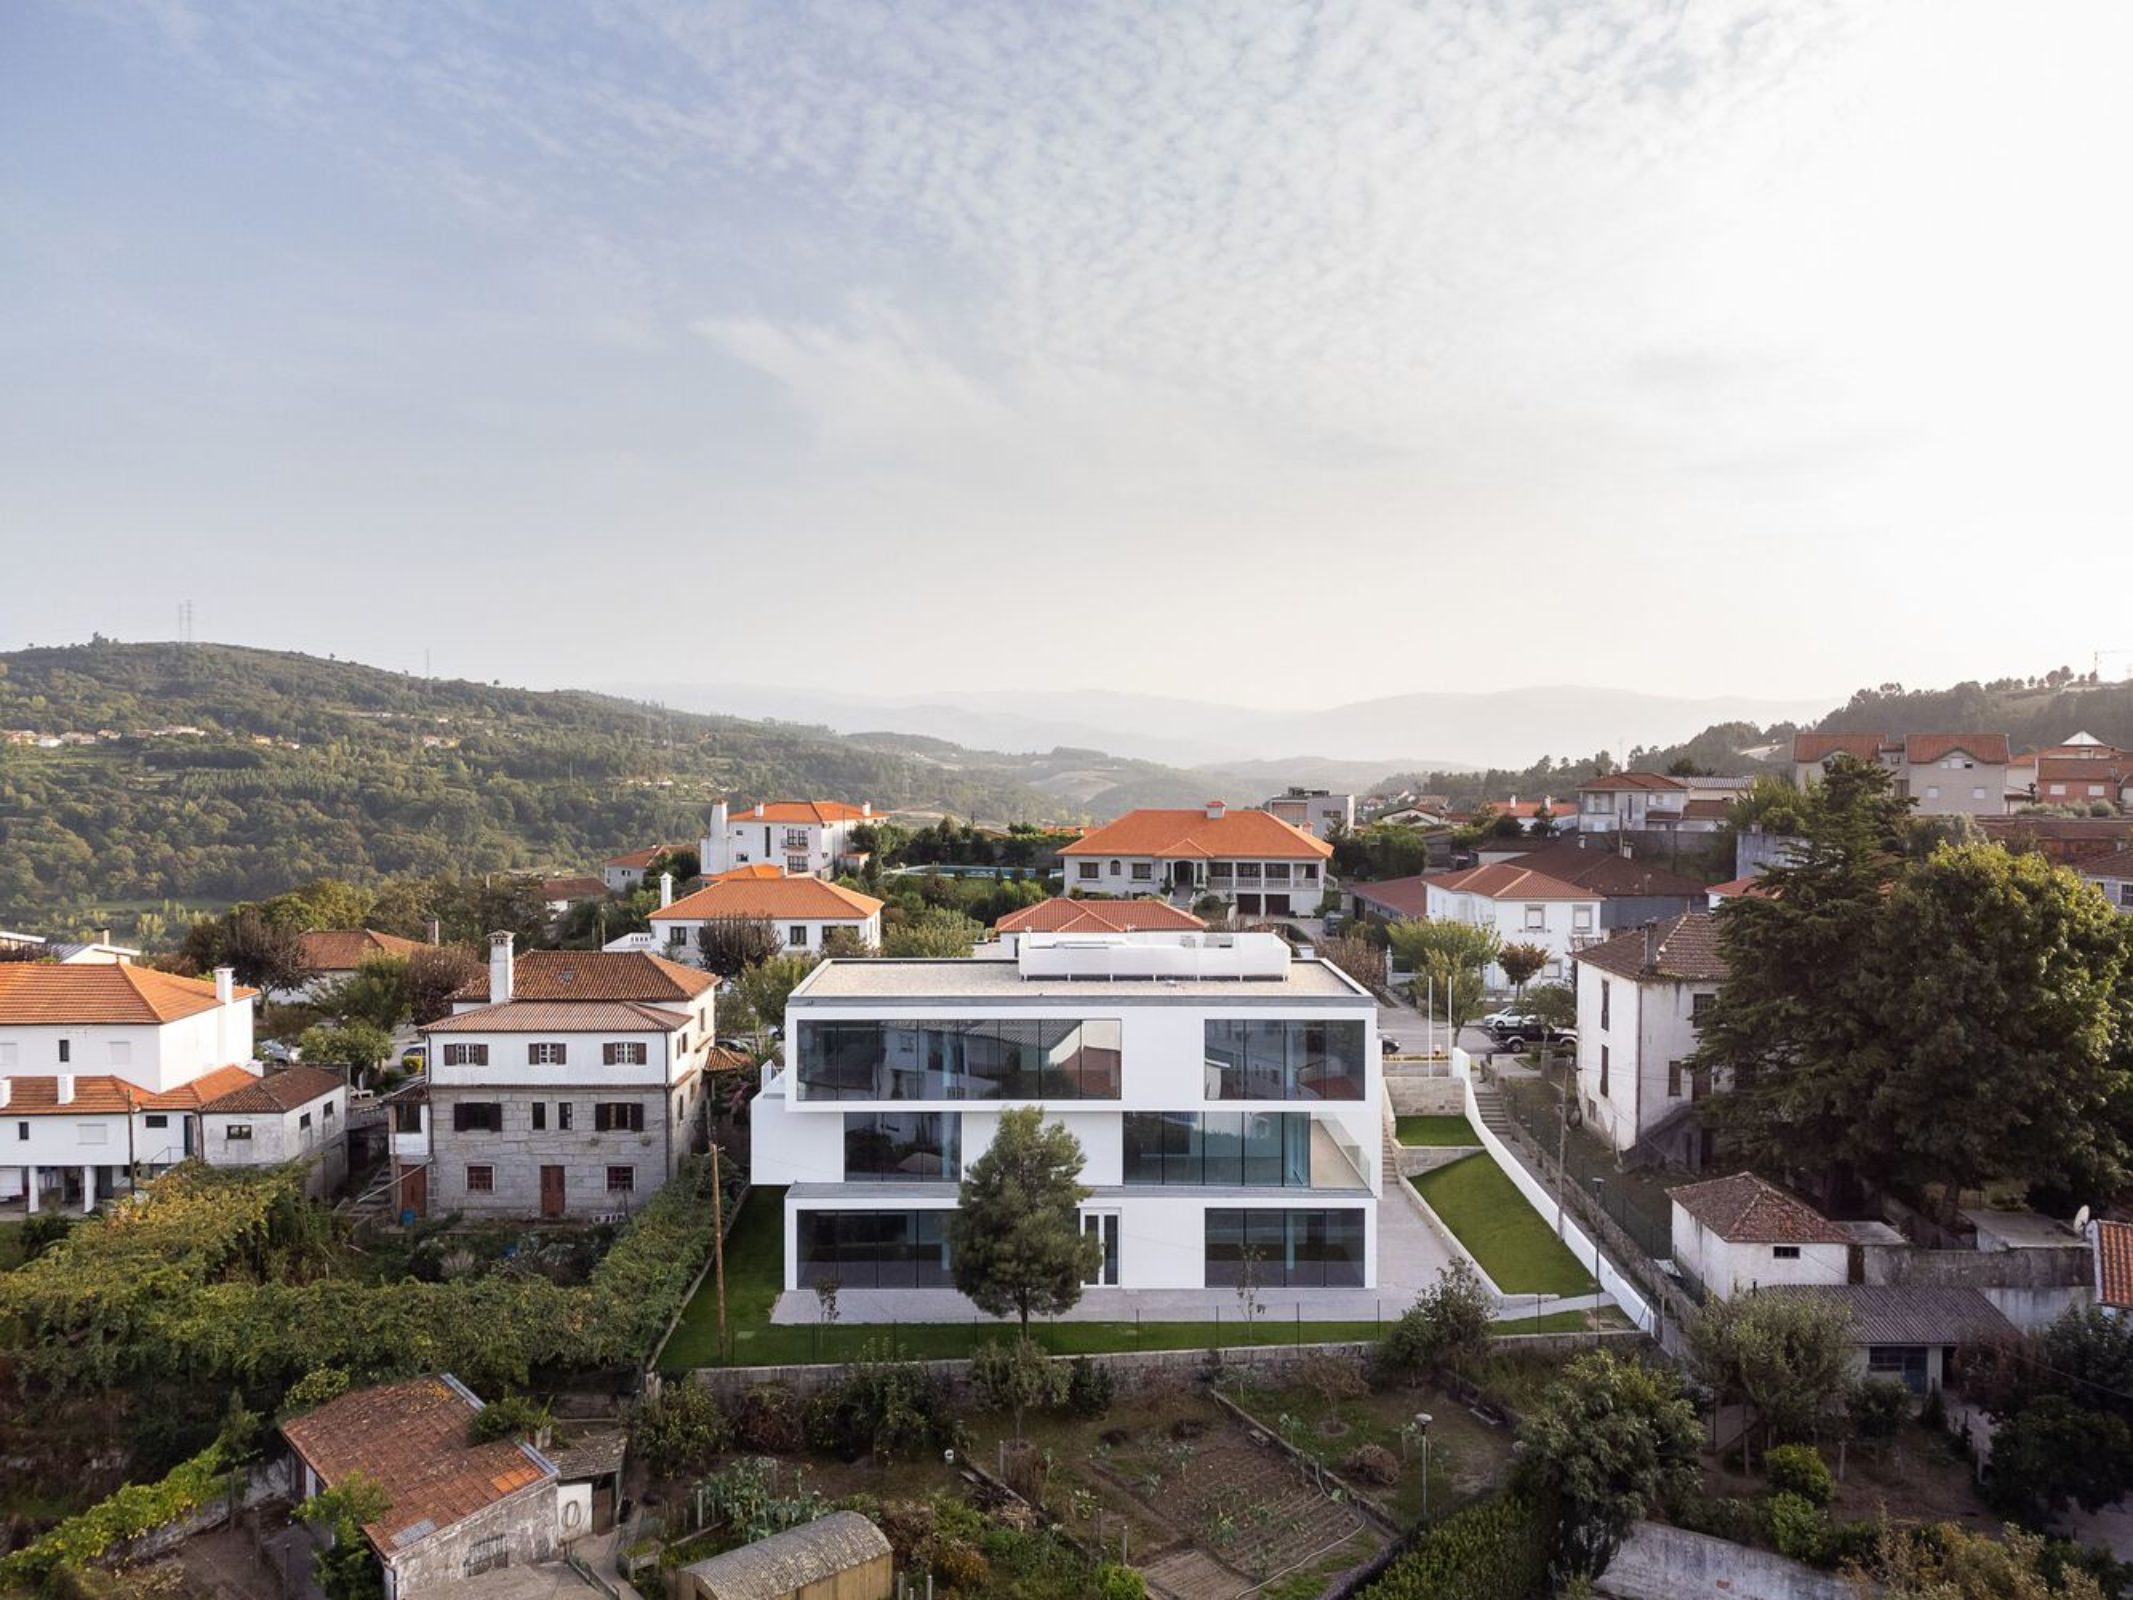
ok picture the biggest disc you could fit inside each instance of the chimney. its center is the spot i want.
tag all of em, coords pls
(499, 968)
(866, 808)
(759, 808)
(225, 985)
(66, 1088)
(1651, 947)
(433, 930)
(1215, 809)
(718, 820)
(666, 890)
(103, 935)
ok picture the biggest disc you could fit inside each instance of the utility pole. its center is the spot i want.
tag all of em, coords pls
(718, 1246)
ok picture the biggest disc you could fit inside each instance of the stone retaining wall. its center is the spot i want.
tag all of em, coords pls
(1414, 1160)
(1415, 1096)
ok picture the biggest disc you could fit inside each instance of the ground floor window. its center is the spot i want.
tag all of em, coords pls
(1285, 1249)
(621, 1180)
(1904, 1362)
(481, 1180)
(875, 1249)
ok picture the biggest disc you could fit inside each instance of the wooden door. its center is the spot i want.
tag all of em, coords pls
(415, 1191)
(551, 1191)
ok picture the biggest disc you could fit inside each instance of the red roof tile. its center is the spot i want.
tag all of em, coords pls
(1598, 870)
(2114, 1263)
(561, 1016)
(801, 812)
(1194, 835)
(1649, 782)
(285, 1090)
(1405, 897)
(573, 888)
(1923, 749)
(40, 992)
(1061, 915)
(1743, 1209)
(595, 975)
(2118, 864)
(1507, 880)
(1808, 747)
(1688, 951)
(345, 949)
(779, 899)
(103, 1095)
(411, 1440)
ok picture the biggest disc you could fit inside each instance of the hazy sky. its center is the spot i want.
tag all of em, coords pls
(1277, 354)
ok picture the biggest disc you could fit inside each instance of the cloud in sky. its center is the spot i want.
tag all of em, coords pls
(1729, 344)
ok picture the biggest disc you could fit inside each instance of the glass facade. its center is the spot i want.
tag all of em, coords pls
(1284, 1060)
(1270, 1149)
(903, 1147)
(874, 1249)
(1287, 1249)
(1023, 1059)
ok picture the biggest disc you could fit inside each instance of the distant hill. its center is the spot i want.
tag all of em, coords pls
(2029, 716)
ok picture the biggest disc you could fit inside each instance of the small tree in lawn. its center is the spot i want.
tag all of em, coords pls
(1521, 964)
(1016, 1235)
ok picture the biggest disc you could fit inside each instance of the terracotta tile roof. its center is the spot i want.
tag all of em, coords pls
(780, 899)
(1194, 835)
(345, 949)
(411, 1440)
(1688, 951)
(1712, 810)
(1743, 1209)
(1648, 782)
(1807, 747)
(2114, 1263)
(2083, 770)
(1923, 749)
(573, 888)
(1404, 897)
(35, 992)
(798, 812)
(1524, 810)
(285, 1090)
(1735, 887)
(103, 1095)
(1608, 873)
(2118, 864)
(562, 1016)
(640, 858)
(2091, 828)
(595, 975)
(754, 869)
(1507, 880)
(1061, 915)
(720, 1059)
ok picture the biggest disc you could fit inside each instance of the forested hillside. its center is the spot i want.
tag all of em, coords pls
(212, 773)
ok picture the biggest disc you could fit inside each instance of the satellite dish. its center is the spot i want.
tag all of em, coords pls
(2081, 1220)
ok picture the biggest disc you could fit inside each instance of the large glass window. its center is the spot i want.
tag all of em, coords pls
(875, 1249)
(903, 1147)
(1285, 1249)
(1280, 1060)
(1236, 1149)
(1019, 1059)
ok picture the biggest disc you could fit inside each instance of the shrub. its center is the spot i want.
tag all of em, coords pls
(1494, 1551)
(1090, 1388)
(1727, 1517)
(768, 1420)
(2055, 1452)
(682, 1432)
(1800, 1470)
(1373, 1463)
(1016, 1376)
(314, 1389)
(885, 1409)
(1447, 1324)
(515, 1416)
(1797, 1527)
(1114, 1582)
(1879, 1408)
(1850, 1544)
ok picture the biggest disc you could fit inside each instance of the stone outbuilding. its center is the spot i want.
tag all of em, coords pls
(838, 1557)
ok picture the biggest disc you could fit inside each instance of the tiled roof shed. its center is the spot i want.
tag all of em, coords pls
(1743, 1209)
(287, 1090)
(782, 1565)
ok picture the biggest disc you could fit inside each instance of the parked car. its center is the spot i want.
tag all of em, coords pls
(275, 1050)
(1519, 1031)
(415, 1058)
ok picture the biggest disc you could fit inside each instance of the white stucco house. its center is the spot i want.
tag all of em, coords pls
(1260, 864)
(294, 1113)
(1224, 1092)
(804, 911)
(1640, 997)
(2113, 874)
(104, 1069)
(803, 838)
(1943, 774)
(1524, 905)
(1733, 1235)
(1656, 802)
(1318, 812)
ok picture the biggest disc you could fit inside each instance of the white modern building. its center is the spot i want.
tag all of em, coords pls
(1260, 864)
(804, 911)
(104, 1069)
(1225, 1093)
(805, 838)
(1318, 812)
(1641, 996)
(1524, 906)
(557, 1107)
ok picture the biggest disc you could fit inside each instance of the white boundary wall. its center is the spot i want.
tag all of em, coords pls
(1581, 1246)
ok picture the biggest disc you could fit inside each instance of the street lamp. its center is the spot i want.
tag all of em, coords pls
(1422, 1421)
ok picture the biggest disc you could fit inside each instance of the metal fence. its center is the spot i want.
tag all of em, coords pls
(1536, 1110)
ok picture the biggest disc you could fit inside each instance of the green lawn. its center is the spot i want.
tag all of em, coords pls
(1476, 1200)
(1438, 1131)
(755, 1267)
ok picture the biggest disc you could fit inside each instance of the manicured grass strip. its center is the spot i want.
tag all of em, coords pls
(1476, 1200)
(1553, 1322)
(1436, 1131)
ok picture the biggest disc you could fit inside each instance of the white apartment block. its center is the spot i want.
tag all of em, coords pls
(805, 838)
(1318, 812)
(1943, 774)
(1656, 802)
(1226, 1096)
(558, 1107)
(1640, 997)
(1260, 864)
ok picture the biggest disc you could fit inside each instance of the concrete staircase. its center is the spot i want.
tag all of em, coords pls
(1488, 1101)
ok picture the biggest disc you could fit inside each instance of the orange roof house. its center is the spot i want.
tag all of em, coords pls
(1099, 916)
(37, 993)
(1213, 832)
(781, 899)
(593, 975)
(338, 950)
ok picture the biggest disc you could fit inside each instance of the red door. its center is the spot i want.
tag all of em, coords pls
(415, 1191)
(551, 1191)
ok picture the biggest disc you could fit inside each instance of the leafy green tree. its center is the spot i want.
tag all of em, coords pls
(347, 1570)
(765, 987)
(731, 945)
(1015, 1376)
(1522, 963)
(2055, 1454)
(1948, 1562)
(263, 953)
(1554, 1003)
(1455, 954)
(377, 992)
(936, 934)
(1787, 1359)
(1356, 954)
(353, 1047)
(2004, 988)
(1608, 1440)
(321, 904)
(1447, 1326)
(1015, 1236)
(1792, 1040)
